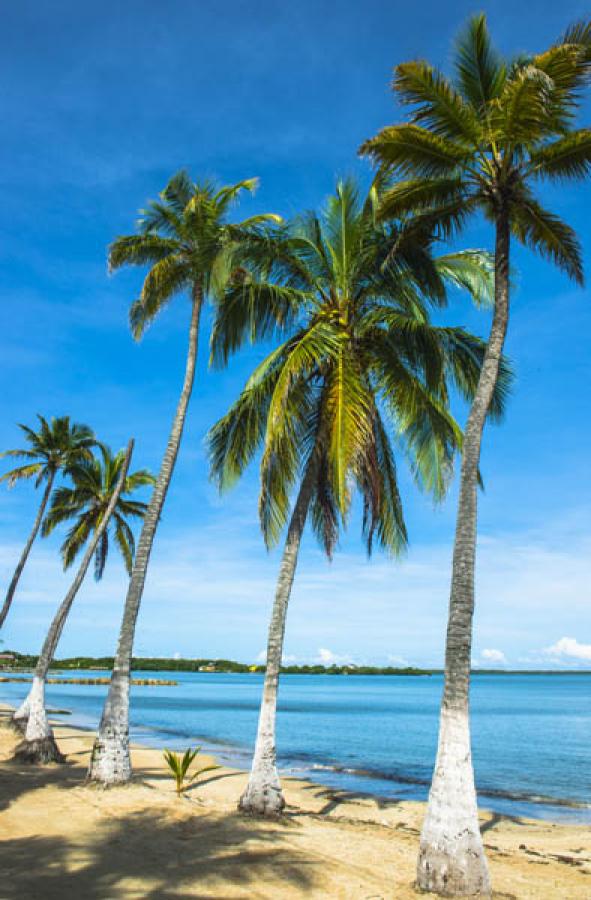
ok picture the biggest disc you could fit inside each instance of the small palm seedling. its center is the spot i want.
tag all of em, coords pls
(179, 768)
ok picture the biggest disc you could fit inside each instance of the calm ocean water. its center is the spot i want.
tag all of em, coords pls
(374, 734)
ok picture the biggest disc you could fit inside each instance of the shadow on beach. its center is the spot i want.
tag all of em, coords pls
(117, 844)
(148, 855)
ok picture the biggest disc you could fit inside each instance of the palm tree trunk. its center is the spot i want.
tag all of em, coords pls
(39, 743)
(24, 556)
(451, 856)
(110, 762)
(263, 795)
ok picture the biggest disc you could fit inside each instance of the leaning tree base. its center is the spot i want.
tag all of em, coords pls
(450, 876)
(110, 762)
(39, 750)
(264, 800)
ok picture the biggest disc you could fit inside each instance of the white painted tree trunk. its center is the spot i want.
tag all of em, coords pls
(39, 743)
(263, 795)
(110, 762)
(451, 854)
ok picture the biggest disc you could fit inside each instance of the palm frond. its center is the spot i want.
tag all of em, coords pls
(410, 150)
(568, 157)
(464, 355)
(417, 194)
(227, 196)
(252, 310)
(349, 409)
(438, 106)
(377, 480)
(471, 270)
(140, 250)
(125, 541)
(480, 71)
(236, 437)
(524, 113)
(548, 235)
(21, 473)
(100, 556)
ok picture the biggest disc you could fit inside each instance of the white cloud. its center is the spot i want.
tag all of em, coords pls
(397, 661)
(494, 656)
(569, 648)
(327, 658)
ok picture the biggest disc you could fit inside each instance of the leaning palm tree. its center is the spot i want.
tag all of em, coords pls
(481, 142)
(362, 364)
(186, 238)
(97, 502)
(52, 449)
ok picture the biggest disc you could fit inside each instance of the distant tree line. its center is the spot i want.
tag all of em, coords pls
(157, 664)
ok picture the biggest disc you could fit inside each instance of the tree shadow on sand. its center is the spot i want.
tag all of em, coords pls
(150, 856)
(336, 798)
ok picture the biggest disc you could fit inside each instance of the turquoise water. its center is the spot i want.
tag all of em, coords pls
(374, 734)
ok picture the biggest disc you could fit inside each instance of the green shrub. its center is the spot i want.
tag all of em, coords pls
(179, 768)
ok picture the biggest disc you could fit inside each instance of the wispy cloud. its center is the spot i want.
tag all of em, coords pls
(496, 657)
(568, 648)
(209, 593)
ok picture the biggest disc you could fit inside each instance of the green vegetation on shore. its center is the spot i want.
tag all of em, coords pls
(26, 661)
(161, 664)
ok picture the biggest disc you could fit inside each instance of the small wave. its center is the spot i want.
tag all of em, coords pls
(400, 778)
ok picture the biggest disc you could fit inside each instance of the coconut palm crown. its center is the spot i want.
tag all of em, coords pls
(57, 445)
(361, 355)
(484, 139)
(86, 501)
(188, 241)
(54, 448)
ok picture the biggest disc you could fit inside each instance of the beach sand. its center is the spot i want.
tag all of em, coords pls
(61, 839)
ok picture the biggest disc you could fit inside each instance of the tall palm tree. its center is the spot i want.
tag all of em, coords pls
(186, 238)
(96, 501)
(481, 141)
(361, 364)
(53, 448)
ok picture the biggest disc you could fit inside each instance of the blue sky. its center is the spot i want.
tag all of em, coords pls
(100, 105)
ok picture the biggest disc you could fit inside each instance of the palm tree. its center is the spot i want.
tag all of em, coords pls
(186, 238)
(94, 481)
(95, 502)
(362, 363)
(53, 448)
(480, 142)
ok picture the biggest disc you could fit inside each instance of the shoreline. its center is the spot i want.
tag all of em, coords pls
(141, 841)
(339, 777)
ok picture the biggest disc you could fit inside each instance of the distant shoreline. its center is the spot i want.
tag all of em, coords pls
(22, 663)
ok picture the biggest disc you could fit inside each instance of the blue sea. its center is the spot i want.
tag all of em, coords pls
(373, 734)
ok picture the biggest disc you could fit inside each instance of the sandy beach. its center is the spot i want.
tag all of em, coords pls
(61, 838)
